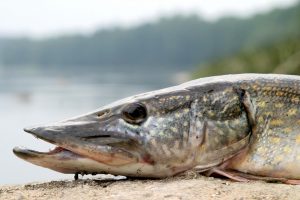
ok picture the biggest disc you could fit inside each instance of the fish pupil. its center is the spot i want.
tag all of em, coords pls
(135, 113)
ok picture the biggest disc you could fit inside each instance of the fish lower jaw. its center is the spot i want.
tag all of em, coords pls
(56, 153)
(18, 151)
(65, 161)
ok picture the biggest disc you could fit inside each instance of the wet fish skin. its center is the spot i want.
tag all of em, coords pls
(274, 150)
(248, 121)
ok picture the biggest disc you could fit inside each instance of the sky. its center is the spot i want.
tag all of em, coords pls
(43, 18)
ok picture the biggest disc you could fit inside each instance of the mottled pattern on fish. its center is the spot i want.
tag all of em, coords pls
(275, 145)
(247, 123)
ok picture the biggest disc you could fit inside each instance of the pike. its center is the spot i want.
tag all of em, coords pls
(244, 127)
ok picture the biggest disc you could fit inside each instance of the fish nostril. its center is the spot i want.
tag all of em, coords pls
(104, 113)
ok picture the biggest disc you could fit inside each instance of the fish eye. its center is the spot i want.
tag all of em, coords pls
(134, 113)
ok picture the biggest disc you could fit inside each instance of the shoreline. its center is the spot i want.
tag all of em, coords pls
(187, 187)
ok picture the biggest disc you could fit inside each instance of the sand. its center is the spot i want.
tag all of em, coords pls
(182, 187)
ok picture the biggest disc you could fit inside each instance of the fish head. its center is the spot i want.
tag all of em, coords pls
(137, 136)
(156, 134)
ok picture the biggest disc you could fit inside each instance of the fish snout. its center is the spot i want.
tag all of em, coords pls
(79, 129)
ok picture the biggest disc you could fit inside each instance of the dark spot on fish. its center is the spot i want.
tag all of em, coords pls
(241, 93)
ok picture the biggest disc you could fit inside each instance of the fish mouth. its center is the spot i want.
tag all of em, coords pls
(26, 153)
(75, 154)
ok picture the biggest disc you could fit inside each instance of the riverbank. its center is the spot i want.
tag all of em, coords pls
(187, 187)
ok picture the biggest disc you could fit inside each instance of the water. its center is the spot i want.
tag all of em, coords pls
(36, 97)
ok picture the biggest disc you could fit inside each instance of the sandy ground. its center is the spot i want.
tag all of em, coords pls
(182, 187)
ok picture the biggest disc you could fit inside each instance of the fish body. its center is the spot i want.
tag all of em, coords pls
(240, 126)
(274, 148)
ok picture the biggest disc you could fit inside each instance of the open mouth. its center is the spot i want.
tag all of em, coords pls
(25, 153)
(59, 159)
(75, 154)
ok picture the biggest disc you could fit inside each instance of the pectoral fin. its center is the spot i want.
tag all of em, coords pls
(243, 177)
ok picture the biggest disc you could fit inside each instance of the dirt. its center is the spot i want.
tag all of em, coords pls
(183, 187)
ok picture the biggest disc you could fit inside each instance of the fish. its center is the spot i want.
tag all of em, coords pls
(242, 126)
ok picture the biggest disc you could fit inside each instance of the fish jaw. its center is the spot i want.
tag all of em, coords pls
(56, 159)
(68, 162)
(75, 155)
(57, 134)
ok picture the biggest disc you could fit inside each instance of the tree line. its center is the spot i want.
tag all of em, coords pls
(175, 41)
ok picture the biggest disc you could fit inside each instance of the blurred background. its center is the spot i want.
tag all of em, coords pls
(60, 58)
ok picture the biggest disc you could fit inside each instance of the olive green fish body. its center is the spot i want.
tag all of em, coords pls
(274, 149)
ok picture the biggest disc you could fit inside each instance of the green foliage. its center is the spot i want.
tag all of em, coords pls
(281, 57)
(177, 41)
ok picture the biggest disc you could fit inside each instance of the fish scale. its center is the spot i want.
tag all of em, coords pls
(274, 150)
